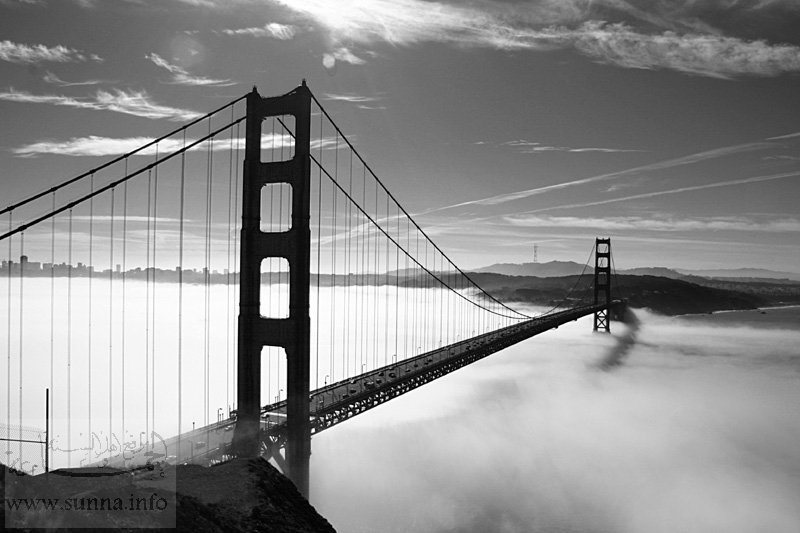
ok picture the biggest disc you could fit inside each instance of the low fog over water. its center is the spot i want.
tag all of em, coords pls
(671, 424)
(694, 429)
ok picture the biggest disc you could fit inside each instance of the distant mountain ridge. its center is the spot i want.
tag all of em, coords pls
(551, 269)
(570, 268)
(754, 273)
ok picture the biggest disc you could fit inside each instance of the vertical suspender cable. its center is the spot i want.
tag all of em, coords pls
(228, 276)
(375, 280)
(21, 324)
(414, 339)
(348, 270)
(147, 314)
(425, 306)
(8, 341)
(124, 267)
(332, 364)
(319, 251)
(69, 344)
(386, 285)
(406, 310)
(210, 244)
(180, 291)
(236, 250)
(359, 309)
(91, 268)
(207, 281)
(365, 292)
(155, 285)
(319, 263)
(8, 337)
(397, 293)
(442, 315)
(52, 297)
(111, 324)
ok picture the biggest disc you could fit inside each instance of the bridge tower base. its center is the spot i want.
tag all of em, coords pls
(602, 284)
(294, 245)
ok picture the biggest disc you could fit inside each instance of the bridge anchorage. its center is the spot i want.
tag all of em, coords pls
(375, 308)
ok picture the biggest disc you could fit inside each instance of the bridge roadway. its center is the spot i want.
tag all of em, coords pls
(340, 401)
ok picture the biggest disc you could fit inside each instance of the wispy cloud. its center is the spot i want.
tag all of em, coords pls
(137, 103)
(351, 97)
(341, 54)
(110, 146)
(782, 158)
(710, 55)
(49, 77)
(39, 53)
(701, 50)
(679, 190)
(283, 32)
(670, 163)
(629, 184)
(789, 136)
(360, 101)
(528, 147)
(181, 77)
(659, 223)
(204, 3)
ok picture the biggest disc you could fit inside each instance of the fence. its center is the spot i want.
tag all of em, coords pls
(23, 448)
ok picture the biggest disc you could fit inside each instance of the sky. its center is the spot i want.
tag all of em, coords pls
(672, 126)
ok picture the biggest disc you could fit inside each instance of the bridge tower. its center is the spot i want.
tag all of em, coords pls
(602, 283)
(294, 245)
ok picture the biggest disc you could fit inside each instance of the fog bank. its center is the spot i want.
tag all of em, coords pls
(693, 429)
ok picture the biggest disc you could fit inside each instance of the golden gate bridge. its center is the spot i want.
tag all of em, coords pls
(249, 272)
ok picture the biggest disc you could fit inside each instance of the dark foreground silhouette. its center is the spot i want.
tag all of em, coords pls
(239, 495)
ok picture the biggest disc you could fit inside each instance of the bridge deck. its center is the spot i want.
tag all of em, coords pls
(340, 401)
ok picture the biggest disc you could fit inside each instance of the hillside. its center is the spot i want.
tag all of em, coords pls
(238, 495)
(663, 295)
(776, 291)
(761, 273)
(569, 268)
(542, 270)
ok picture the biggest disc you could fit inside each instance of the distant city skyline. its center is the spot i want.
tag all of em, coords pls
(39, 268)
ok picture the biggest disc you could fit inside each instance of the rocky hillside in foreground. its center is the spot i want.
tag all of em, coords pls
(662, 295)
(239, 495)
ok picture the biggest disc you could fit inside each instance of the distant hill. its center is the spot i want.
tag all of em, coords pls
(653, 271)
(660, 294)
(570, 268)
(758, 273)
(541, 270)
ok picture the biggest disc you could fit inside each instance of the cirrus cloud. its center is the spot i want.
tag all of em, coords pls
(137, 103)
(111, 146)
(658, 223)
(548, 26)
(282, 32)
(182, 77)
(705, 55)
(527, 147)
(39, 53)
